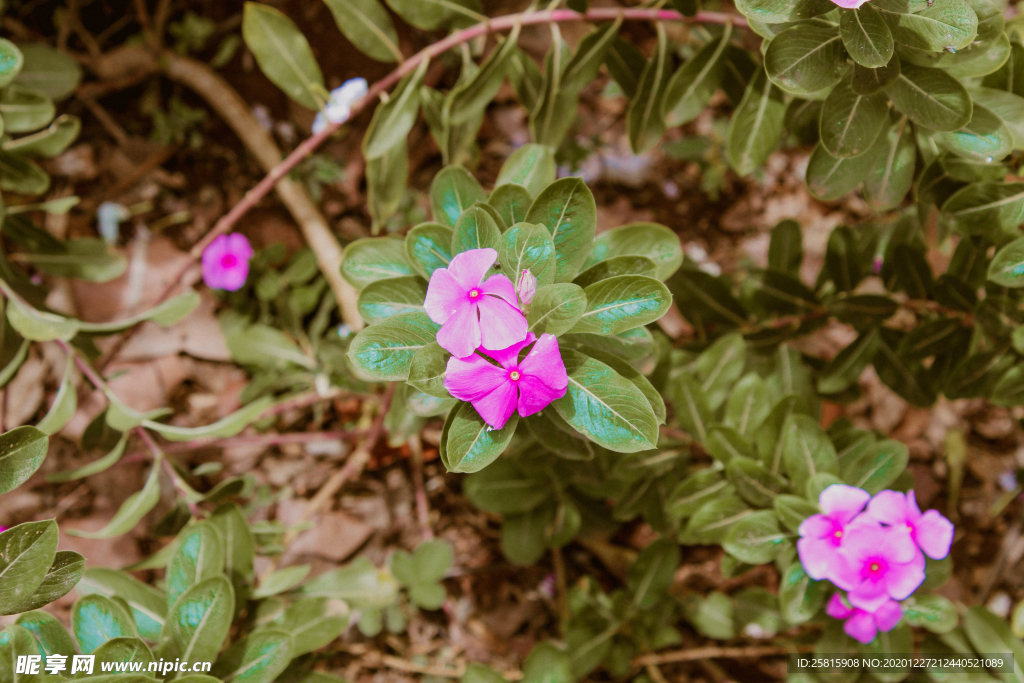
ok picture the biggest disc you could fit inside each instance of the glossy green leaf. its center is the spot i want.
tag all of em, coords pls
(651, 575)
(644, 122)
(367, 26)
(652, 240)
(691, 407)
(713, 520)
(428, 247)
(866, 36)
(475, 229)
(11, 62)
(846, 368)
(48, 70)
(786, 248)
(806, 450)
(122, 651)
(50, 634)
(312, 623)
(199, 556)
(985, 139)
(259, 658)
(933, 612)
(556, 308)
(384, 298)
(567, 209)
(754, 482)
(931, 98)
(633, 375)
(605, 406)
(512, 202)
(531, 166)
(1007, 267)
(283, 54)
(96, 619)
(386, 180)
(49, 142)
(38, 325)
(590, 53)
(805, 59)
(148, 606)
(621, 303)
(800, 597)
(893, 174)
(781, 11)
(18, 174)
(471, 444)
(61, 577)
(756, 126)
(1004, 105)
(25, 110)
(695, 491)
(986, 208)
(225, 427)
(198, 622)
(22, 451)
(393, 119)
(625, 63)
(755, 539)
(829, 177)
(869, 81)
(433, 14)
(877, 466)
(453, 191)
(428, 368)
(375, 258)
(134, 508)
(553, 113)
(850, 122)
(691, 87)
(526, 245)
(468, 99)
(793, 510)
(748, 405)
(615, 266)
(930, 26)
(26, 553)
(384, 351)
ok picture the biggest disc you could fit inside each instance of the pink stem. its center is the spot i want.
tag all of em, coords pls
(503, 23)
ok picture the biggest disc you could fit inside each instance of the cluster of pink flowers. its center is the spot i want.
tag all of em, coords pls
(874, 553)
(485, 315)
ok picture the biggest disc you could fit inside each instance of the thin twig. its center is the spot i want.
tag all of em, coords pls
(262, 440)
(698, 653)
(422, 502)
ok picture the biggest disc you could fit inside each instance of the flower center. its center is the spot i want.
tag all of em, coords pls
(229, 261)
(474, 293)
(874, 567)
(838, 533)
(514, 375)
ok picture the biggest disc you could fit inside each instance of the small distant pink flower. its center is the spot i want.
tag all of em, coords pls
(471, 311)
(849, 4)
(863, 625)
(931, 532)
(496, 391)
(226, 262)
(823, 535)
(878, 563)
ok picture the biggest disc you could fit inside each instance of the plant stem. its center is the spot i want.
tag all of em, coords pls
(698, 653)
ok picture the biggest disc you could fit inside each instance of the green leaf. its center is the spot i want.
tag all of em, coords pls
(651, 575)
(567, 209)
(367, 26)
(467, 100)
(605, 406)
(552, 114)
(782, 11)
(893, 175)
(169, 313)
(199, 621)
(84, 259)
(985, 139)
(222, 428)
(843, 259)
(375, 258)
(846, 368)
(478, 673)
(312, 623)
(384, 298)
(933, 612)
(428, 247)
(526, 245)
(875, 467)
(1007, 267)
(1005, 105)
(748, 405)
(393, 119)
(504, 489)
(471, 444)
(909, 380)
(37, 325)
(18, 174)
(96, 619)
(711, 522)
(829, 177)
(633, 375)
(695, 491)
(805, 59)
(719, 366)
(989, 633)
(258, 658)
(49, 142)
(691, 407)
(26, 553)
(386, 178)
(475, 229)
(48, 70)
(25, 110)
(652, 240)
(547, 664)
(433, 14)
(199, 557)
(786, 247)
(283, 54)
(756, 539)
(625, 64)
(239, 546)
(590, 53)
(123, 649)
(22, 451)
(851, 122)
(522, 536)
(806, 450)
(622, 303)
(61, 577)
(11, 62)
(384, 351)
(800, 597)
(428, 369)
(691, 87)
(531, 166)
(556, 308)
(134, 508)
(866, 36)
(617, 265)
(756, 126)
(644, 122)
(932, 27)
(511, 202)
(869, 81)
(453, 191)
(931, 98)
(793, 510)
(50, 634)
(148, 606)
(754, 483)
(987, 208)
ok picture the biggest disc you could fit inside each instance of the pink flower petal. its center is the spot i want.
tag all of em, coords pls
(837, 607)
(460, 335)
(816, 526)
(934, 534)
(472, 378)
(913, 511)
(861, 627)
(898, 544)
(843, 502)
(535, 395)
(501, 287)
(903, 579)
(821, 560)
(232, 279)
(889, 507)
(869, 595)
(238, 245)
(509, 357)
(501, 325)
(497, 407)
(445, 296)
(888, 616)
(469, 267)
(545, 363)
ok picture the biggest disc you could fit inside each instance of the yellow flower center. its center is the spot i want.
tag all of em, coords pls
(839, 533)
(474, 293)
(874, 566)
(514, 375)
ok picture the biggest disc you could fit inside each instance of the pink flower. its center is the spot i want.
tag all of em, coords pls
(226, 262)
(527, 287)
(932, 532)
(878, 563)
(849, 4)
(823, 535)
(863, 625)
(530, 384)
(474, 312)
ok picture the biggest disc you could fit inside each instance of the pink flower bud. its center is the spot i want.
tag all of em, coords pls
(527, 287)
